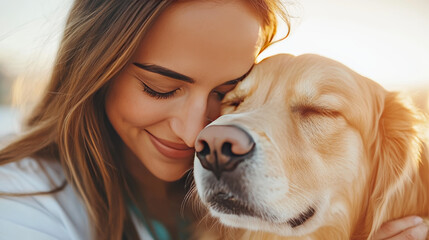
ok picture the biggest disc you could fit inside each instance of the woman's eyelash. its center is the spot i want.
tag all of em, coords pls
(165, 95)
(155, 94)
(219, 95)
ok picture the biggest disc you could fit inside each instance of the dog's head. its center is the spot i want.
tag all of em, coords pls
(294, 149)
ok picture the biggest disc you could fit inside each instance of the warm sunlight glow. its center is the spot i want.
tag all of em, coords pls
(384, 40)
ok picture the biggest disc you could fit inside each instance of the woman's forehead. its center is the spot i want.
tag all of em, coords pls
(200, 38)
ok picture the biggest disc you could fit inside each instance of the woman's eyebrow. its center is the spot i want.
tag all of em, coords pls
(164, 71)
(172, 74)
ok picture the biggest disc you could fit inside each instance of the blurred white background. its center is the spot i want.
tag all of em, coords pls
(385, 40)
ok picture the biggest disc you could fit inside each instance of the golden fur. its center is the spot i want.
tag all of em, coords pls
(334, 140)
(69, 124)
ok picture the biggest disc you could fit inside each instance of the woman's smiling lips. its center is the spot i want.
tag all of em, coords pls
(171, 149)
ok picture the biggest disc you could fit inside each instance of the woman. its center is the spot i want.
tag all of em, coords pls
(105, 153)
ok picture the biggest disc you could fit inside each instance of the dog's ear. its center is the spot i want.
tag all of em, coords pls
(394, 157)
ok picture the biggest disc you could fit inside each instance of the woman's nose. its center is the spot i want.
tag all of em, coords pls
(190, 120)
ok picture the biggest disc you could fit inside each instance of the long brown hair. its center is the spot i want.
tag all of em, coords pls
(69, 124)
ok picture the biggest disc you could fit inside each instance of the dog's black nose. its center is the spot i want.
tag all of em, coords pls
(221, 148)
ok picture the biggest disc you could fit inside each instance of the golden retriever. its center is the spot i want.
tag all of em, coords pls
(308, 149)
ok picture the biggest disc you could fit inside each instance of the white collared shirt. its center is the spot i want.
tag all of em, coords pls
(61, 215)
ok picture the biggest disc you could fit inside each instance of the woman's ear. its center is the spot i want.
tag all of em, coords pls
(395, 157)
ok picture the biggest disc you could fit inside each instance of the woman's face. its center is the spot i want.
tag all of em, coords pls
(194, 53)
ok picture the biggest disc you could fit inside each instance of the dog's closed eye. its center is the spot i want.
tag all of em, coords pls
(310, 111)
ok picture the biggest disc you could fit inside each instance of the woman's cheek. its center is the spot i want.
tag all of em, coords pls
(213, 107)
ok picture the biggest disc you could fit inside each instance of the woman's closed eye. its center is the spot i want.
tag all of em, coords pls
(219, 95)
(164, 92)
(221, 91)
(157, 94)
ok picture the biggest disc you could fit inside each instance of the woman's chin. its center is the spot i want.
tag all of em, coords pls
(171, 174)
